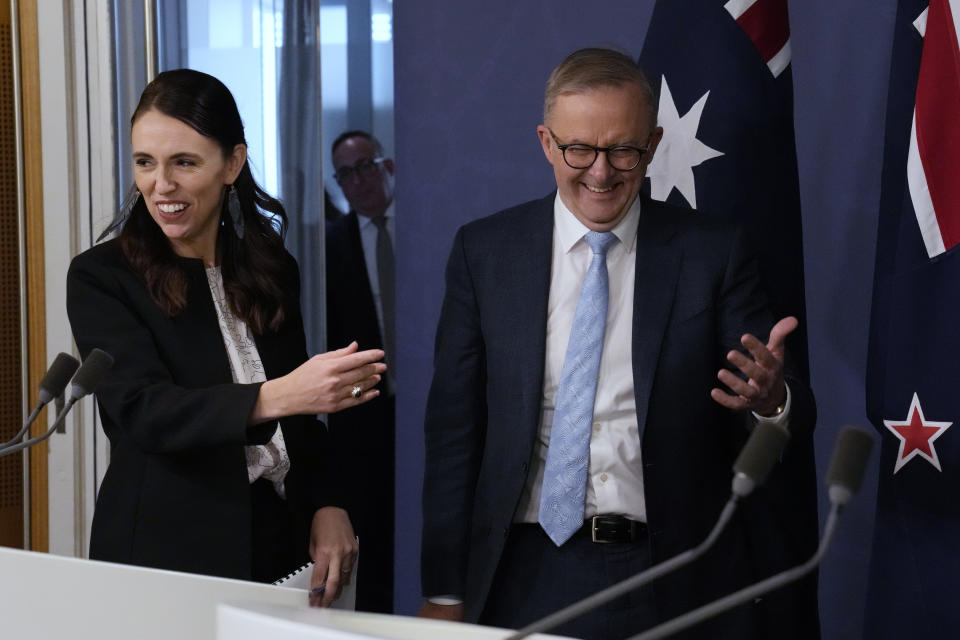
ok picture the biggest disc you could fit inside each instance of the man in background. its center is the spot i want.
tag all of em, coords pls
(575, 428)
(360, 307)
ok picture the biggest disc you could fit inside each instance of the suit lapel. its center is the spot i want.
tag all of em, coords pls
(199, 326)
(361, 287)
(530, 290)
(657, 270)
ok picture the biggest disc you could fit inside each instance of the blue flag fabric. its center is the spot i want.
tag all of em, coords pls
(722, 68)
(728, 147)
(913, 368)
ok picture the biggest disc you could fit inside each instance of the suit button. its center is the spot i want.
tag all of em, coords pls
(523, 468)
(506, 531)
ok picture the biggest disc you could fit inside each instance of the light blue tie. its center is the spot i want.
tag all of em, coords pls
(565, 477)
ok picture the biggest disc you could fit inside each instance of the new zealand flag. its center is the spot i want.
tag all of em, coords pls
(726, 107)
(913, 370)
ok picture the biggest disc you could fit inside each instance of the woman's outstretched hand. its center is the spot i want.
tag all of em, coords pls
(326, 383)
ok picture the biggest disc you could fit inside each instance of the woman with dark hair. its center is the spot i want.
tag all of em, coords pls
(218, 465)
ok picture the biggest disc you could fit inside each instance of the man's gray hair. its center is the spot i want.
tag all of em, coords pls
(594, 68)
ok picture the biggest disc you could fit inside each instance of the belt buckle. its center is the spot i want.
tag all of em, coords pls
(593, 531)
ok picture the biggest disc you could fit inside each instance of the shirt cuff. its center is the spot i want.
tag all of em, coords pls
(445, 600)
(782, 419)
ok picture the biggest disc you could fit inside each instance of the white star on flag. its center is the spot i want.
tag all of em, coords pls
(679, 151)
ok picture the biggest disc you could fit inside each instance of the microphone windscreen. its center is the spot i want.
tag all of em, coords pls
(57, 376)
(761, 452)
(849, 460)
(90, 372)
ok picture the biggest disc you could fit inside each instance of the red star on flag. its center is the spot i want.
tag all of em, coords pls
(916, 436)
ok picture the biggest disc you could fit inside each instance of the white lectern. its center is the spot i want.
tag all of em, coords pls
(256, 622)
(47, 596)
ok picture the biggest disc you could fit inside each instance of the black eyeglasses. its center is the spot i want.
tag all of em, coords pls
(362, 169)
(582, 156)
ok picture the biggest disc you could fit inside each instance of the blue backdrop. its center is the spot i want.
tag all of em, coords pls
(469, 82)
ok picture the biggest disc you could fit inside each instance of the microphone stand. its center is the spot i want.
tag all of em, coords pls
(26, 425)
(625, 586)
(751, 468)
(747, 593)
(32, 441)
(51, 386)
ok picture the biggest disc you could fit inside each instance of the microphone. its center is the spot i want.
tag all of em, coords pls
(51, 386)
(847, 465)
(57, 377)
(758, 457)
(89, 374)
(84, 382)
(751, 468)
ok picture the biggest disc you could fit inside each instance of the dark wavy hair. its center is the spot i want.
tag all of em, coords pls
(253, 268)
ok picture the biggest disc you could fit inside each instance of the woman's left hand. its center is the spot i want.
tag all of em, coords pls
(333, 549)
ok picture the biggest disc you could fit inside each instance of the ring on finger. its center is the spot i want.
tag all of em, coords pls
(356, 392)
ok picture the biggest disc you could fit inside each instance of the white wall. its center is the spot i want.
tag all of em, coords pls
(76, 123)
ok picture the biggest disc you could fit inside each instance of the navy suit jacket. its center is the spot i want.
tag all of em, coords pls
(697, 291)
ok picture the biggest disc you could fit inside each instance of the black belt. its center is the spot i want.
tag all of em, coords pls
(613, 529)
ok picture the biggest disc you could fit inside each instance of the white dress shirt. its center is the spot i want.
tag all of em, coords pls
(615, 475)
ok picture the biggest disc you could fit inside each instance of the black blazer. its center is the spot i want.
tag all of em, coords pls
(363, 436)
(176, 494)
(697, 291)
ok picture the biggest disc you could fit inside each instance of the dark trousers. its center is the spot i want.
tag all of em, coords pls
(536, 578)
(362, 439)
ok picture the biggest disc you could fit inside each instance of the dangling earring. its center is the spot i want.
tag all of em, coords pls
(127, 205)
(126, 208)
(236, 213)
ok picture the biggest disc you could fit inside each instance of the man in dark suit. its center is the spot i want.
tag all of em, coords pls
(360, 305)
(575, 433)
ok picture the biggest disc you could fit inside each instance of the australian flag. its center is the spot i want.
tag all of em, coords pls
(726, 107)
(913, 369)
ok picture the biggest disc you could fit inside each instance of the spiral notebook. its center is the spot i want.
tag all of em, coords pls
(300, 579)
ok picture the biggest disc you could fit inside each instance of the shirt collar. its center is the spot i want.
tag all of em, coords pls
(365, 222)
(569, 230)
